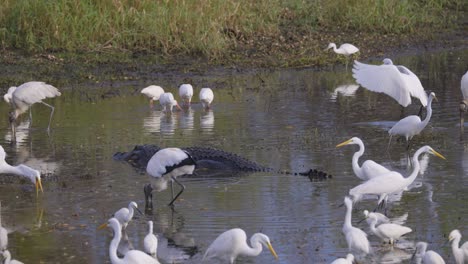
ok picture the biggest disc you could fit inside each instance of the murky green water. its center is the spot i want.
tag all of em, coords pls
(286, 119)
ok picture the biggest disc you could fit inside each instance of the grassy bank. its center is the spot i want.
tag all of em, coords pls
(217, 29)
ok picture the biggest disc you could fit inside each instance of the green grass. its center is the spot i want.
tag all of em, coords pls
(204, 27)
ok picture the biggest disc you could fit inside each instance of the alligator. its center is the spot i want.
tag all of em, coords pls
(211, 159)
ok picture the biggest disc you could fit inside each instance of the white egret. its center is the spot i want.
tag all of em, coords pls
(464, 102)
(132, 256)
(387, 231)
(391, 182)
(427, 257)
(167, 164)
(7, 258)
(382, 219)
(348, 260)
(412, 125)
(345, 49)
(356, 238)
(3, 233)
(233, 243)
(22, 170)
(394, 80)
(153, 92)
(167, 101)
(24, 96)
(186, 93)
(150, 243)
(206, 97)
(125, 215)
(460, 253)
(369, 168)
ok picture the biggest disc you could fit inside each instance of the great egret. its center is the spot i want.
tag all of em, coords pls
(345, 49)
(125, 215)
(460, 253)
(167, 164)
(186, 93)
(464, 102)
(348, 260)
(132, 256)
(427, 257)
(22, 170)
(369, 168)
(394, 80)
(391, 182)
(153, 92)
(3, 233)
(206, 97)
(412, 125)
(24, 96)
(150, 243)
(356, 238)
(383, 219)
(233, 243)
(388, 231)
(167, 101)
(7, 258)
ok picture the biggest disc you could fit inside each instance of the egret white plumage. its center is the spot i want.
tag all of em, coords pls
(7, 258)
(167, 101)
(392, 182)
(186, 93)
(459, 253)
(233, 243)
(3, 233)
(167, 164)
(21, 170)
(387, 231)
(397, 81)
(150, 243)
(383, 219)
(125, 215)
(348, 260)
(464, 102)
(345, 49)
(206, 97)
(356, 238)
(427, 257)
(24, 96)
(153, 92)
(132, 256)
(369, 168)
(412, 125)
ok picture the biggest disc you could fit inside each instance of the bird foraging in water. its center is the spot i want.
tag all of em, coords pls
(427, 257)
(369, 168)
(356, 238)
(206, 97)
(233, 243)
(460, 253)
(388, 231)
(168, 164)
(345, 49)
(186, 93)
(412, 125)
(125, 215)
(22, 170)
(21, 98)
(167, 101)
(153, 92)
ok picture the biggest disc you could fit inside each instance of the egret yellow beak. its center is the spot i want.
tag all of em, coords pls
(38, 186)
(102, 226)
(344, 143)
(438, 154)
(270, 247)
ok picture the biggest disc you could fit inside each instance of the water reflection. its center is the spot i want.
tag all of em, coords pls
(345, 90)
(168, 123)
(207, 121)
(186, 119)
(152, 122)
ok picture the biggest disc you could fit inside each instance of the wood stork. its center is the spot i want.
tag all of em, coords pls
(460, 253)
(186, 93)
(150, 243)
(388, 231)
(21, 170)
(233, 243)
(153, 92)
(21, 98)
(167, 101)
(167, 164)
(464, 102)
(356, 238)
(206, 97)
(427, 257)
(345, 49)
(132, 256)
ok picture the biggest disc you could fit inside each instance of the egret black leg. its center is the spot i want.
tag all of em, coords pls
(181, 191)
(148, 190)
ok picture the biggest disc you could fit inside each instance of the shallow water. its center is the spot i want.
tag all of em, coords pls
(287, 119)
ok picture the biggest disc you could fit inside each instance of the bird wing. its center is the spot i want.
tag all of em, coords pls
(405, 126)
(349, 48)
(400, 220)
(413, 84)
(378, 185)
(393, 230)
(382, 79)
(33, 92)
(372, 169)
(464, 85)
(153, 91)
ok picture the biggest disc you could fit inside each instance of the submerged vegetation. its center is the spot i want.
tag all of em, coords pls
(219, 30)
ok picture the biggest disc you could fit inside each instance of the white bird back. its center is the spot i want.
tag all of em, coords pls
(463, 85)
(206, 96)
(186, 91)
(9, 94)
(153, 91)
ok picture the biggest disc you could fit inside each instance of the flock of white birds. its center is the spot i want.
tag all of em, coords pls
(394, 80)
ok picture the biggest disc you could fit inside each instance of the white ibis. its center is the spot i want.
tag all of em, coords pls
(167, 101)
(153, 92)
(206, 97)
(186, 93)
